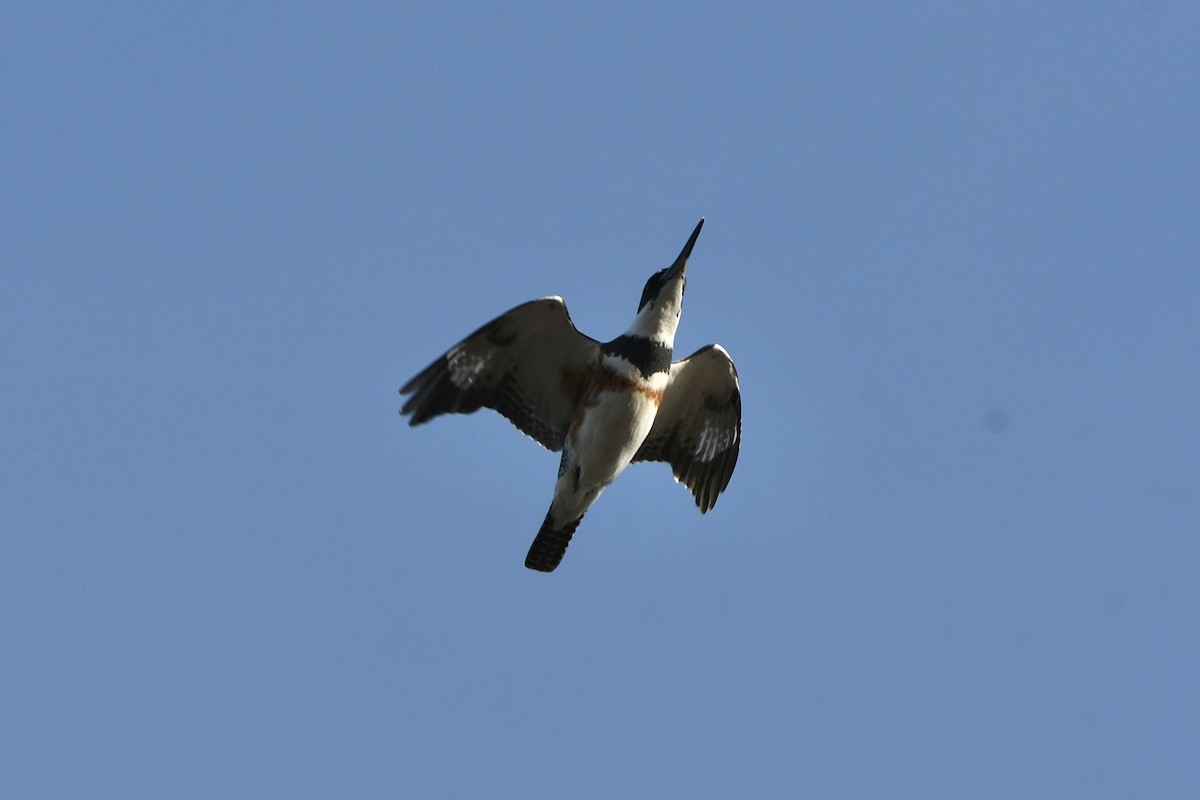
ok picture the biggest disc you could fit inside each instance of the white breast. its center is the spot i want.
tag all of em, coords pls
(610, 432)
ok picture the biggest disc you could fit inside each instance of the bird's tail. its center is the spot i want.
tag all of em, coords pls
(550, 545)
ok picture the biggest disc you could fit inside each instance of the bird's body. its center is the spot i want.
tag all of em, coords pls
(604, 405)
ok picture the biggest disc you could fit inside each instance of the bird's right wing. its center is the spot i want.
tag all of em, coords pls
(698, 429)
(521, 364)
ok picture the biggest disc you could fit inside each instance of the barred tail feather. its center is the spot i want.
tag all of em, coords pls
(550, 545)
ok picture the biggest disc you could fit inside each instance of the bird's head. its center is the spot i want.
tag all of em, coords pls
(662, 299)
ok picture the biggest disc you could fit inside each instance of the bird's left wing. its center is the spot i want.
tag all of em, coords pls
(520, 364)
(698, 430)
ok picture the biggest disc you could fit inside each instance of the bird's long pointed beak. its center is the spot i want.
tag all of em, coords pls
(680, 265)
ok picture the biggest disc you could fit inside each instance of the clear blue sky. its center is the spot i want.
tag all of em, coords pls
(952, 247)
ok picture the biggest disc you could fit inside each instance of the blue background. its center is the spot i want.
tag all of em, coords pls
(952, 248)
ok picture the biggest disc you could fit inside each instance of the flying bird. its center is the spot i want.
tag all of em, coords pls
(603, 404)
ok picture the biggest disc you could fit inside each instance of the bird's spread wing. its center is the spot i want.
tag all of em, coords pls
(698, 430)
(519, 364)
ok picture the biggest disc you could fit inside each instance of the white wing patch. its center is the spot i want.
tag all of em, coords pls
(465, 367)
(712, 442)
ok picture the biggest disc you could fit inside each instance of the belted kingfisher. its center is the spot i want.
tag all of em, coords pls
(604, 405)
